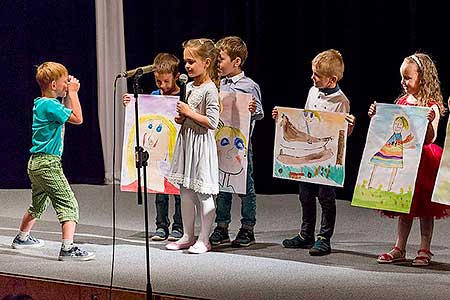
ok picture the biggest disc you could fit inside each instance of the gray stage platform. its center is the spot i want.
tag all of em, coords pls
(264, 271)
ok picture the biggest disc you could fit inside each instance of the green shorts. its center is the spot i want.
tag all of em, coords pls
(48, 184)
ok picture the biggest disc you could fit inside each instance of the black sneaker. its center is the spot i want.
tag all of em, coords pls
(244, 238)
(298, 242)
(219, 236)
(321, 247)
(75, 254)
(161, 234)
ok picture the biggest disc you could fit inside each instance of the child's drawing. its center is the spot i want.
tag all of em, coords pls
(232, 142)
(391, 157)
(310, 146)
(157, 135)
(442, 186)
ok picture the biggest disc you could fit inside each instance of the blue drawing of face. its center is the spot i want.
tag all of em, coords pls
(238, 143)
(231, 150)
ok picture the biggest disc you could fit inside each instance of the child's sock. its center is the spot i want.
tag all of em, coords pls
(23, 235)
(66, 245)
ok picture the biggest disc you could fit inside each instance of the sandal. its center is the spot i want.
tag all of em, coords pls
(393, 256)
(423, 258)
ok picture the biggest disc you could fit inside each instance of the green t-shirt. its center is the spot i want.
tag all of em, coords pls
(49, 116)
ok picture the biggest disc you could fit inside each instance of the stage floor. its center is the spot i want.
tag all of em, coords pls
(265, 270)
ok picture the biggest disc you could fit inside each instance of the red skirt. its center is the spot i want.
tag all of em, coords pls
(426, 176)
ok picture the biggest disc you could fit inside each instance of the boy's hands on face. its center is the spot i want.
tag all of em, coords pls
(252, 105)
(275, 113)
(73, 84)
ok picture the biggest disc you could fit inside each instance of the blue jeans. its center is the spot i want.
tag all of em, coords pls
(327, 199)
(162, 212)
(248, 201)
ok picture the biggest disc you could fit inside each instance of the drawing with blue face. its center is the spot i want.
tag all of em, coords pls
(231, 150)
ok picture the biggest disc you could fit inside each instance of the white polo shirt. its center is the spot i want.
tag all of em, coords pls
(334, 102)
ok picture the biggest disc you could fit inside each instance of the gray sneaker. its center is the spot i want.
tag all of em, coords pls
(75, 254)
(30, 242)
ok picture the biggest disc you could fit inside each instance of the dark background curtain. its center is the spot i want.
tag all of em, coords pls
(282, 37)
(32, 32)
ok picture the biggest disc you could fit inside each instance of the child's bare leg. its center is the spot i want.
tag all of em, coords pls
(68, 230)
(403, 230)
(424, 254)
(426, 232)
(27, 222)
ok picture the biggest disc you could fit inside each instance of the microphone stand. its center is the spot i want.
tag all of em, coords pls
(142, 157)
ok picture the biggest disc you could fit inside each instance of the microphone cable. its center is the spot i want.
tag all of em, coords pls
(113, 191)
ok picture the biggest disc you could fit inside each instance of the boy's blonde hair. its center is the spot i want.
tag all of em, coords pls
(48, 72)
(329, 63)
(205, 48)
(166, 63)
(235, 47)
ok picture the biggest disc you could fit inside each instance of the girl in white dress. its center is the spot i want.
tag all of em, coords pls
(195, 165)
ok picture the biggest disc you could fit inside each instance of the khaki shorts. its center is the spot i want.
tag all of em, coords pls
(48, 184)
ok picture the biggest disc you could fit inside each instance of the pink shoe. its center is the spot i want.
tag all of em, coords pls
(199, 248)
(179, 246)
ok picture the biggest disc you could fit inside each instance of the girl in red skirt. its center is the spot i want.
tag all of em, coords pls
(420, 84)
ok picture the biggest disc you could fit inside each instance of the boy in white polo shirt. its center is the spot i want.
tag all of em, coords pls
(325, 95)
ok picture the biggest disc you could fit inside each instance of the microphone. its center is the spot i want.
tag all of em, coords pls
(138, 71)
(183, 79)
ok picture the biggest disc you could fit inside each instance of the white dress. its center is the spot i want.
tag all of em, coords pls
(195, 164)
